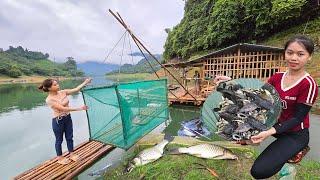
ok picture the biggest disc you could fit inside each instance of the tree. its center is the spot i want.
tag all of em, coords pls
(14, 71)
(71, 64)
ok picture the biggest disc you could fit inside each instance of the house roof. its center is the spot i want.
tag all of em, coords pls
(244, 47)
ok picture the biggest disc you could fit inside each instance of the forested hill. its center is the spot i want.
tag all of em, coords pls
(214, 24)
(16, 62)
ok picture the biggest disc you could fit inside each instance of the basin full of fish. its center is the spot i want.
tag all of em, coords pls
(243, 112)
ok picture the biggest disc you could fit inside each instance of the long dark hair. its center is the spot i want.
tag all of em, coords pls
(46, 84)
(304, 41)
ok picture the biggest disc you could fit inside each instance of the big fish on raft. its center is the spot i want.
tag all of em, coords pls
(206, 151)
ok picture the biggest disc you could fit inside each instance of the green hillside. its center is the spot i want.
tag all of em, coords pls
(16, 62)
(214, 24)
(312, 30)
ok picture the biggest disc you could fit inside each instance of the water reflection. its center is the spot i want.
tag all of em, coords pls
(25, 96)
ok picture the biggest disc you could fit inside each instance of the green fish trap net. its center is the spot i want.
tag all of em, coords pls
(123, 113)
(212, 106)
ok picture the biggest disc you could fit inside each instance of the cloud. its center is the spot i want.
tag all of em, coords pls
(85, 29)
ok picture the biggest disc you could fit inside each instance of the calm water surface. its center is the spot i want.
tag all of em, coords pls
(27, 139)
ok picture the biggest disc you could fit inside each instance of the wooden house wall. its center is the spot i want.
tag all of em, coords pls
(260, 65)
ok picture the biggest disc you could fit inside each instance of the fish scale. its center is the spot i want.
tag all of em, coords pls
(149, 155)
(208, 151)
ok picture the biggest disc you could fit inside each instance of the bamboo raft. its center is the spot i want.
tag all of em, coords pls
(89, 152)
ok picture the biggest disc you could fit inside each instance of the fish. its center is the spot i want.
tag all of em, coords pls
(206, 151)
(263, 103)
(100, 172)
(243, 128)
(256, 124)
(193, 128)
(149, 155)
(249, 107)
(227, 116)
(232, 109)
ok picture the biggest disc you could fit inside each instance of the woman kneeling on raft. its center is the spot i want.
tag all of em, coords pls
(58, 101)
(298, 92)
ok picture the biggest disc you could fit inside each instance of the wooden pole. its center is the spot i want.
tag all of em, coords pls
(137, 41)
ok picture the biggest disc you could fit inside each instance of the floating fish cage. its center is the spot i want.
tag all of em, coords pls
(123, 113)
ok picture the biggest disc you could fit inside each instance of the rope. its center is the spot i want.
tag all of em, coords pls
(123, 45)
(114, 47)
(134, 67)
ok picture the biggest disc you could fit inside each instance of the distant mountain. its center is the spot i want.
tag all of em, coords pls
(92, 68)
(141, 67)
(18, 61)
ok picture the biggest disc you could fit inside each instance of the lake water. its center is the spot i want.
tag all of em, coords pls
(27, 139)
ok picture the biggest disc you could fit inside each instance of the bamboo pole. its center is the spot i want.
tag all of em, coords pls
(74, 165)
(56, 166)
(62, 168)
(43, 164)
(92, 160)
(47, 174)
(138, 43)
(42, 167)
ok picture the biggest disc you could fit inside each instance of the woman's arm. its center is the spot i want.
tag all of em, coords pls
(78, 88)
(301, 111)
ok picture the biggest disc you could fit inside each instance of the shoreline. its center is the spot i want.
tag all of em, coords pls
(31, 79)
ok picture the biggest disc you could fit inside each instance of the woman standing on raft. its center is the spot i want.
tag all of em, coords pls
(298, 92)
(58, 101)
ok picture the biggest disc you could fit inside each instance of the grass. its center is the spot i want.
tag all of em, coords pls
(184, 167)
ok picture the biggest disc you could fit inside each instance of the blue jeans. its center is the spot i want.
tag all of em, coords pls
(63, 125)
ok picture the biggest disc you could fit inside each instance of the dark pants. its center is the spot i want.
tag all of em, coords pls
(60, 126)
(271, 160)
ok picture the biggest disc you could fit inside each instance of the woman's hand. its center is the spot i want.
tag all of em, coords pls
(78, 88)
(263, 135)
(84, 107)
(218, 79)
(87, 81)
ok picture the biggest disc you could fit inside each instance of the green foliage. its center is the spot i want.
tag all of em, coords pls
(19, 51)
(284, 10)
(14, 71)
(213, 24)
(17, 61)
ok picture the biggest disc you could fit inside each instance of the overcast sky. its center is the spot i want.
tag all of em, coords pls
(84, 29)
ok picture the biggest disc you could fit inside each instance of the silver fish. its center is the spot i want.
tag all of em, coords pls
(100, 172)
(207, 151)
(149, 155)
